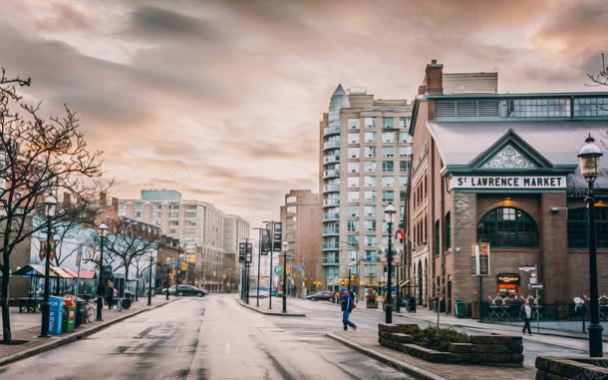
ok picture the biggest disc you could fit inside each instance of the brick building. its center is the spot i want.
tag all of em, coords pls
(500, 169)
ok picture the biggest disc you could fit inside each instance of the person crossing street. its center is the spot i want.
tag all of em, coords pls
(348, 305)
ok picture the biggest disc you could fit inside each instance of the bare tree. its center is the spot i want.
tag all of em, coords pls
(132, 241)
(601, 77)
(37, 156)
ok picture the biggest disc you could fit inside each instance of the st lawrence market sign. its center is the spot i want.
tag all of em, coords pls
(508, 182)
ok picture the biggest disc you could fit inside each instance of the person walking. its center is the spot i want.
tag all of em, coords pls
(526, 314)
(347, 307)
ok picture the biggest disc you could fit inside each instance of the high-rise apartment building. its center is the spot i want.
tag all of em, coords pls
(198, 225)
(300, 217)
(364, 162)
(236, 229)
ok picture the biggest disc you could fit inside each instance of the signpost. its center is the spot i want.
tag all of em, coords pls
(533, 284)
(480, 258)
(278, 270)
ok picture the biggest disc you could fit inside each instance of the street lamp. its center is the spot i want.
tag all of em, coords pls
(589, 161)
(285, 247)
(168, 262)
(50, 206)
(103, 230)
(389, 213)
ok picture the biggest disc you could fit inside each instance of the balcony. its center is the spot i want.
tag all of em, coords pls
(331, 203)
(331, 247)
(331, 131)
(331, 188)
(331, 159)
(331, 232)
(331, 145)
(330, 261)
(332, 173)
(330, 217)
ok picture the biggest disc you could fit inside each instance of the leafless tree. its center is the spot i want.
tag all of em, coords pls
(37, 156)
(601, 77)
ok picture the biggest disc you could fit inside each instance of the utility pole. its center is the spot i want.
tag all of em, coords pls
(150, 281)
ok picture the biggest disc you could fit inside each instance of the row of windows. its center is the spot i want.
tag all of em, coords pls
(387, 123)
(370, 196)
(370, 211)
(370, 166)
(370, 181)
(420, 192)
(387, 138)
(370, 152)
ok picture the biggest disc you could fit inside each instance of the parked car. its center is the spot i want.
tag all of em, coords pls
(323, 295)
(185, 290)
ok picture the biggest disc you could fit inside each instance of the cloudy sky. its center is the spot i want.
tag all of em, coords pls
(222, 99)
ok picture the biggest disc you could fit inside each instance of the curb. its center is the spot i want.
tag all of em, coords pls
(71, 338)
(272, 313)
(395, 363)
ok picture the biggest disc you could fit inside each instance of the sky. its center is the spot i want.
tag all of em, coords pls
(222, 100)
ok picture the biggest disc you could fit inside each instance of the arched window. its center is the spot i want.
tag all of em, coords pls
(578, 231)
(508, 227)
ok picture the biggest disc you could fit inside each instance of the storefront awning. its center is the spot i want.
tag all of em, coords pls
(33, 270)
(60, 272)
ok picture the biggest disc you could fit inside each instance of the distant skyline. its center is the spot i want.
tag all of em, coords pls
(221, 100)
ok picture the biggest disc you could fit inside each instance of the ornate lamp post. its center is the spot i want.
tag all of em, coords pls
(285, 247)
(103, 230)
(589, 160)
(50, 206)
(389, 213)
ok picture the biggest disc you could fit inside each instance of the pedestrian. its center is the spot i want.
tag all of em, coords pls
(347, 307)
(526, 314)
(110, 294)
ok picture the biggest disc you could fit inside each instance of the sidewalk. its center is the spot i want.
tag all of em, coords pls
(366, 341)
(277, 307)
(25, 328)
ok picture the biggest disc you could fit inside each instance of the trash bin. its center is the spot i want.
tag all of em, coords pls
(411, 305)
(69, 315)
(460, 311)
(81, 312)
(55, 315)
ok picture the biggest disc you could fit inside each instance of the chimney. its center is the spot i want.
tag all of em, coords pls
(115, 204)
(433, 78)
(67, 200)
(103, 199)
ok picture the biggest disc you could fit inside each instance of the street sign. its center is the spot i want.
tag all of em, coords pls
(265, 242)
(480, 258)
(538, 285)
(527, 268)
(278, 270)
(276, 236)
(297, 267)
(242, 252)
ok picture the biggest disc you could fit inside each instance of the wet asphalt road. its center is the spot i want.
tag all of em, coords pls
(209, 338)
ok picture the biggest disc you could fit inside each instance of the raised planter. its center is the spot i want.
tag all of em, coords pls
(557, 368)
(371, 304)
(495, 349)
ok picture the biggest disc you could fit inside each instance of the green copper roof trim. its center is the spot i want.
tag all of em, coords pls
(511, 138)
(530, 95)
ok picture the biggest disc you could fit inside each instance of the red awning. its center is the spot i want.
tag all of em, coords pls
(87, 274)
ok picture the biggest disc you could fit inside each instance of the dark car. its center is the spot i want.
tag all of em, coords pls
(322, 295)
(185, 290)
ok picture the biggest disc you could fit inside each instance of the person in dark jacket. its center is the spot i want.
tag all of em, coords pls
(347, 307)
(526, 314)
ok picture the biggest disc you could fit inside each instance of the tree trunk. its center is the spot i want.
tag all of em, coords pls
(6, 322)
(124, 288)
(137, 290)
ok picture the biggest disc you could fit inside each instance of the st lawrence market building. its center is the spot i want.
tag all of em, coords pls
(495, 190)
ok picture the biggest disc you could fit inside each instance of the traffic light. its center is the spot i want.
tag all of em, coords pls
(265, 241)
(276, 236)
(242, 252)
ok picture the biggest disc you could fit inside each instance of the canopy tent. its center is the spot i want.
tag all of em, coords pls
(61, 272)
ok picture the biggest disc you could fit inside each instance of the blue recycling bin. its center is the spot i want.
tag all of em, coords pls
(55, 315)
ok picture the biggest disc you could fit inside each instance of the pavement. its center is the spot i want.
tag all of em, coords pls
(25, 329)
(277, 307)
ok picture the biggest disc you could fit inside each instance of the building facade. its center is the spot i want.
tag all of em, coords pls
(495, 195)
(364, 161)
(236, 230)
(300, 216)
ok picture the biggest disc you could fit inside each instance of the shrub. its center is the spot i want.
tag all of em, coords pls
(438, 339)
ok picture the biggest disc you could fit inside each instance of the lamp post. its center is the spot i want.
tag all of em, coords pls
(389, 213)
(50, 206)
(285, 246)
(103, 229)
(589, 160)
(257, 298)
(168, 262)
(150, 281)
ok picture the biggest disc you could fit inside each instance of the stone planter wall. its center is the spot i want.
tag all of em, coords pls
(498, 350)
(558, 368)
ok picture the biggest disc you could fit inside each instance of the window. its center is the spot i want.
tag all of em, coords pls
(370, 226)
(370, 151)
(388, 151)
(508, 227)
(387, 122)
(404, 137)
(369, 167)
(353, 211)
(436, 249)
(448, 231)
(370, 211)
(370, 240)
(404, 122)
(369, 122)
(403, 195)
(405, 151)
(404, 166)
(352, 226)
(291, 209)
(369, 181)
(387, 181)
(353, 196)
(353, 152)
(388, 196)
(388, 137)
(370, 196)
(388, 166)
(578, 227)
(353, 123)
(369, 137)
(353, 181)
(353, 138)
(403, 182)
(353, 167)
(353, 240)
